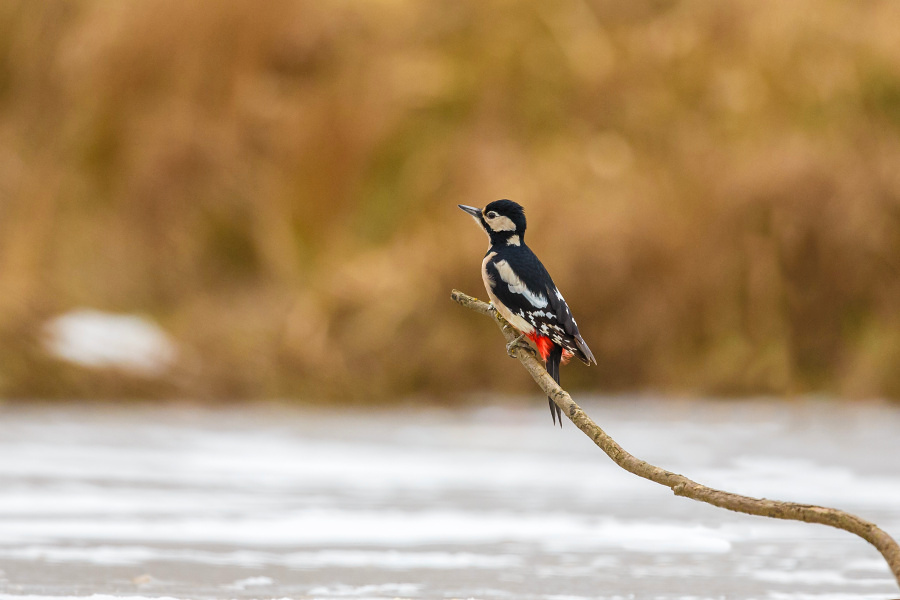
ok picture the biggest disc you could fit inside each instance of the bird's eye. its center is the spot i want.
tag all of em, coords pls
(492, 215)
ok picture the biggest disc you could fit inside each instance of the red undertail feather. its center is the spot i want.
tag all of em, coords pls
(544, 344)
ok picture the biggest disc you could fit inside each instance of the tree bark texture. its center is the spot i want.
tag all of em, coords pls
(679, 484)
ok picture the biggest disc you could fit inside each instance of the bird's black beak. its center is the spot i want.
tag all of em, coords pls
(475, 212)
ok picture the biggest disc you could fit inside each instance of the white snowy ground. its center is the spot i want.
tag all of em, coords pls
(269, 502)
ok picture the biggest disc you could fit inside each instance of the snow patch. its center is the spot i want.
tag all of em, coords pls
(96, 339)
(242, 584)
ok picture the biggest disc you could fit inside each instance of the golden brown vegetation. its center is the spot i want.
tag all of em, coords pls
(715, 187)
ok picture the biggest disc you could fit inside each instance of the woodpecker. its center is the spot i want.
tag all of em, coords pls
(521, 290)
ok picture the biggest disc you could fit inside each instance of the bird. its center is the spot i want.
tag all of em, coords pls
(522, 291)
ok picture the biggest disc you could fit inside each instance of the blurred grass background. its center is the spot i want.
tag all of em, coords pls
(714, 186)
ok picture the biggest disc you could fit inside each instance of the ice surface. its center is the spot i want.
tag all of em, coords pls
(271, 502)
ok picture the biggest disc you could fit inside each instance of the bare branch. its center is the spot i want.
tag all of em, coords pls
(681, 485)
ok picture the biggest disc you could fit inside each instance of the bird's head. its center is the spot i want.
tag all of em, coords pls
(503, 220)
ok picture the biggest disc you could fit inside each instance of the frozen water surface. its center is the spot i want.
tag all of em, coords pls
(273, 502)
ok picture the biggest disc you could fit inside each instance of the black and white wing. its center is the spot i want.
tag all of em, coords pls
(573, 342)
(524, 288)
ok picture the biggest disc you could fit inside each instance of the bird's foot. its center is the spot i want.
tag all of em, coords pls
(518, 343)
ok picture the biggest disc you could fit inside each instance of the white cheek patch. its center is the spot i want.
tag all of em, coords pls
(517, 286)
(501, 224)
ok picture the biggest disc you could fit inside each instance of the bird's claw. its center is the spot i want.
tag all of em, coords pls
(512, 345)
(518, 343)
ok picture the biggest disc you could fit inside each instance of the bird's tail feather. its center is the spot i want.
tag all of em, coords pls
(553, 360)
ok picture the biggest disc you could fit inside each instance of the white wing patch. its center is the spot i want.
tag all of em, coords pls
(517, 286)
